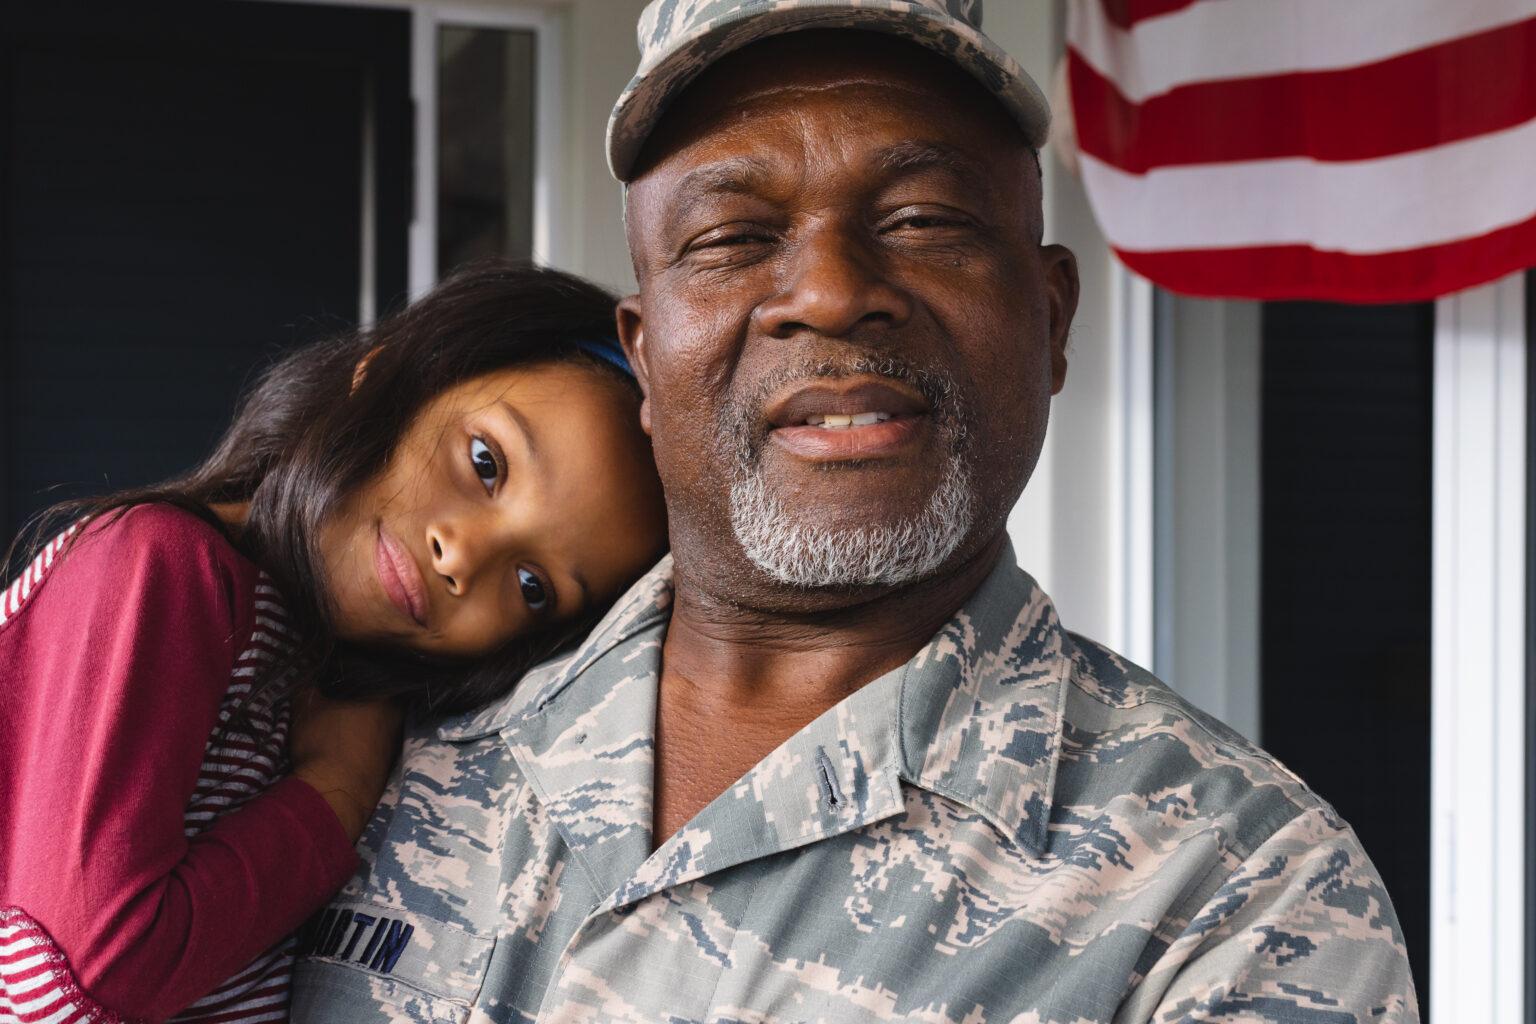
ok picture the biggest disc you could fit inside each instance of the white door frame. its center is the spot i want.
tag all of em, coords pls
(548, 26)
(548, 131)
(1478, 742)
(1131, 588)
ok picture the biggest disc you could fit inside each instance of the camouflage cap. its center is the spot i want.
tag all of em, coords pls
(680, 38)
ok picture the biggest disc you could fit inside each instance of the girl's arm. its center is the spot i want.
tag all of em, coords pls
(133, 638)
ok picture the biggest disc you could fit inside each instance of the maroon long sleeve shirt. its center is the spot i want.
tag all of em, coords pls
(158, 853)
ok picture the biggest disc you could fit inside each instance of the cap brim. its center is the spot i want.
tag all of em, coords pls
(649, 93)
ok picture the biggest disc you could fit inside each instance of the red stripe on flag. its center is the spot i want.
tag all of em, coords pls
(1125, 13)
(1301, 272)
(1458, 89)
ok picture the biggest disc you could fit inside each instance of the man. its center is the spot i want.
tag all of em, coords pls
(836, 760)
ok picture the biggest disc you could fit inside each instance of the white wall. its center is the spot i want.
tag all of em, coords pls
(601, 55)
(1208, 506)
(1068, 529)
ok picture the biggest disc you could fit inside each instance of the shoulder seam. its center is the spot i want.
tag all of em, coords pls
(1292, 785)
(1297, 790)
(1072, 674)
(1242, 847)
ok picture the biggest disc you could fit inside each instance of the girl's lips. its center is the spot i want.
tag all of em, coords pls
(400, 578)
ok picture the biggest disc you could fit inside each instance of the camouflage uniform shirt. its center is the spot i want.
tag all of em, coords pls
(1015, 826)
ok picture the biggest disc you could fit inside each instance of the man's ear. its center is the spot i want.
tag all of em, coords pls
(631, 326)
(1061, 288)
(360, 371)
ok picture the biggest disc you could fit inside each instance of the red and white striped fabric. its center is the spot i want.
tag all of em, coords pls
(1364, 151)
(237, 766)
(36, 983)
(36, 986)
(14, 596)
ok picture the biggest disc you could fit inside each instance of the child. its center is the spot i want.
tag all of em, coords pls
(419, 510)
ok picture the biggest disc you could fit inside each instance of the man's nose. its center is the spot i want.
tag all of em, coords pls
(833, 283)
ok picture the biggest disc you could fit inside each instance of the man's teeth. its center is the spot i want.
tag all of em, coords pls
(836, 421)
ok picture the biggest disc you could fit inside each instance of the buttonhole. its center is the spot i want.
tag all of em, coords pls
(827, 776)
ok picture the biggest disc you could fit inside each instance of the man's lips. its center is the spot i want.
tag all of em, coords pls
(400, 578)
(849, 396)
(846, 419)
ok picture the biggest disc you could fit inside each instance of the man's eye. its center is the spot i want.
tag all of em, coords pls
(727, 238)
(922, 221)
(533, 589)
(484, 461)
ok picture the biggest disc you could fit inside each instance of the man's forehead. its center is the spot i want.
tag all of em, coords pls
(827, 74)
(742, 163)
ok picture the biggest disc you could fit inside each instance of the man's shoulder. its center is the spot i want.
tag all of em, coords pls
(1262, 881)
(1130, 742)
(434, 845)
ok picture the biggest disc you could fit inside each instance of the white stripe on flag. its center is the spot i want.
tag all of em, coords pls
(1428, 197)
(1220, 39)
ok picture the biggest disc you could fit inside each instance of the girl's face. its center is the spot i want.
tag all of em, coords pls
(515, 501)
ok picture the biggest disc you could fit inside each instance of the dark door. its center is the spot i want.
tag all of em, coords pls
(181, 196)
(1345, 592)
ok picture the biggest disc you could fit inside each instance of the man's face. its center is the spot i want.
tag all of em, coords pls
(847, 330)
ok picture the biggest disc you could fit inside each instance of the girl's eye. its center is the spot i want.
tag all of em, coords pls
(533, 589)
(484, 461)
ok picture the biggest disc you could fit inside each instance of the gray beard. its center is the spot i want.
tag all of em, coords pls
(883, 554)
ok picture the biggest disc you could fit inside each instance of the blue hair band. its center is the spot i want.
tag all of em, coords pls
(608, 350)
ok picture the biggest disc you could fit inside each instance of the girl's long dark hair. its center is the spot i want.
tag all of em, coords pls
(303, 438)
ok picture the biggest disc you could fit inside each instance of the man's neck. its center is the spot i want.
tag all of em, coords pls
(815, 658)
(737, 682)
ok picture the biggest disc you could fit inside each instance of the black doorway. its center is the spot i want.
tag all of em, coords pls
(1347, 423)
(181, 196)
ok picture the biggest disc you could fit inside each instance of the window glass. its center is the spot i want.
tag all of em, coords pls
(485, 144)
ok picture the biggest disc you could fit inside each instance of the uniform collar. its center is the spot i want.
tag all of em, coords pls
(974, 716)
(981, 706)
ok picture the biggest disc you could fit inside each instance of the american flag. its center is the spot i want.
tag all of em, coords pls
(1353, 150)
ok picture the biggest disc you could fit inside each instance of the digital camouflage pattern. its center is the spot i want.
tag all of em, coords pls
(680, 38)
(1015, 826)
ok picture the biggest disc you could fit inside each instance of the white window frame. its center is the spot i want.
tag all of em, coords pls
(548, 131)
(548, 26)
(1478, 741)
(1132, 591)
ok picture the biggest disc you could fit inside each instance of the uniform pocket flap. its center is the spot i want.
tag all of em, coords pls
(431, 955)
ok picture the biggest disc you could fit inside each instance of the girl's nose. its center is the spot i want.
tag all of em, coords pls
(470, 548)
(452, 556)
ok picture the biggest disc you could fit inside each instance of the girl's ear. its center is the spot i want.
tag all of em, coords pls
(360, 371)
(631, 326)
